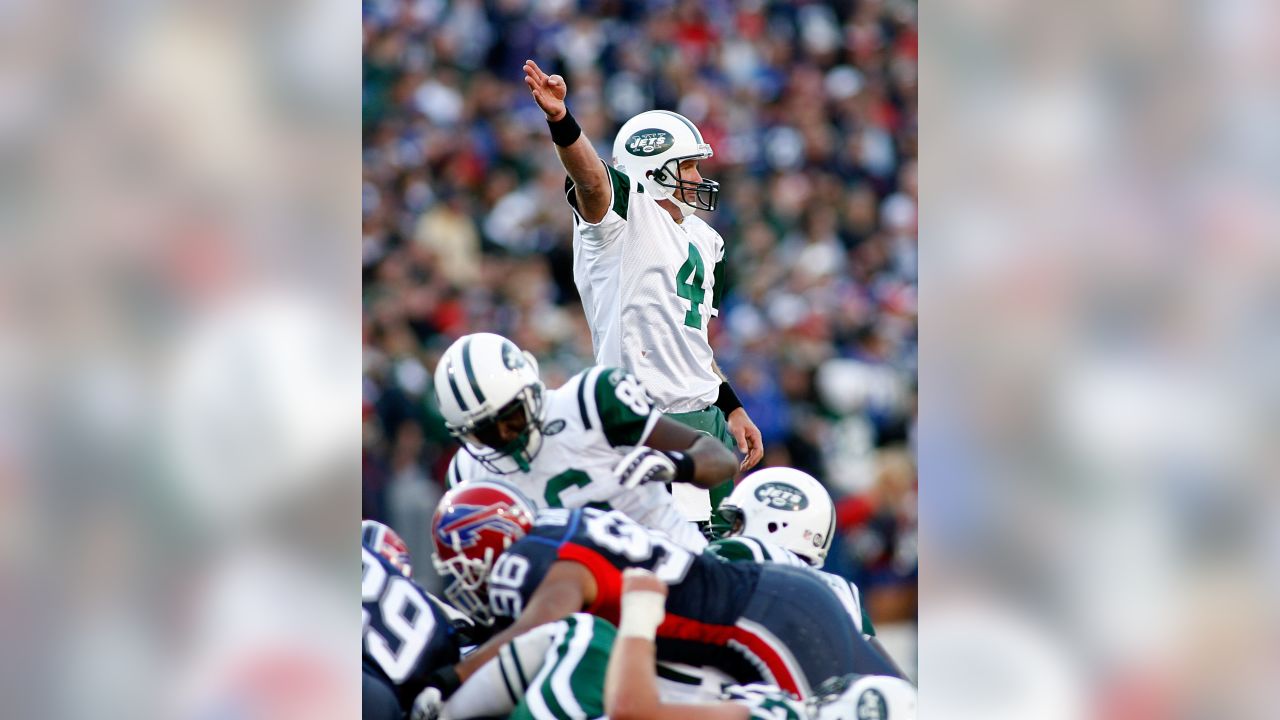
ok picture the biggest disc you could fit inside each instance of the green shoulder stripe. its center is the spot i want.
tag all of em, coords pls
(621, 192)
(626, 413)
(867, 627)
(717, 289)
(582, 399)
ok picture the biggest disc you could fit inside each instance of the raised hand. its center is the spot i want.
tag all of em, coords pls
(547, 90)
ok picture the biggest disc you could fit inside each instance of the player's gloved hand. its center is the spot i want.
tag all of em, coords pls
(427, 705)
(644, 464)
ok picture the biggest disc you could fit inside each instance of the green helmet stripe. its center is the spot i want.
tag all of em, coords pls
(684, 120)
(453, 385)
(471, 374)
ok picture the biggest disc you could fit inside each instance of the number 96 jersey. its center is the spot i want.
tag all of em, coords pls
(407, 634)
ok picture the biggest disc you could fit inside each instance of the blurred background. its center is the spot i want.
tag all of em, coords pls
(811, 110)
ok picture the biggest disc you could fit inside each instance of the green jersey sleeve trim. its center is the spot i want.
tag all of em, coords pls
(717, 290)
(619, 187)
(867, 628)
(621, 191)
(626, 413)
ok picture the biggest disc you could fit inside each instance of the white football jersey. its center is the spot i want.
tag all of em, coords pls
(591, 422)
(649, 287)
(762, 551)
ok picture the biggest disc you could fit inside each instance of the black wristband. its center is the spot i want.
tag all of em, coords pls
(565, 131)
(445, 680)
(684, 465)
(728, 400)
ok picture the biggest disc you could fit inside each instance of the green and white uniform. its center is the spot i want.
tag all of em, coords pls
(570, 683)
(751, 549)
(766, 702)
(590, 423)
(649, 286)
(557, 672)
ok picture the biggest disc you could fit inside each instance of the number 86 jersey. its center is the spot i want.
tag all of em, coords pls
(407, 635)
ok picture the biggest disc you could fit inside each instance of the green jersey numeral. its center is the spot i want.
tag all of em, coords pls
(689, 286)
(564, 481)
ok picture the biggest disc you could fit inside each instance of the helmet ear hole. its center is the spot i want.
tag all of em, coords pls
(773, 527)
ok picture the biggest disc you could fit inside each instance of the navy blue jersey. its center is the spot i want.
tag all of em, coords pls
(407, 635)
(706, 599)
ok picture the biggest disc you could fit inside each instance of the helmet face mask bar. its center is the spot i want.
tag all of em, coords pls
(706, 193)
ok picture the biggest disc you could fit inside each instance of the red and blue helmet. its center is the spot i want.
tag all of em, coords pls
(384, 541)
(474, 524)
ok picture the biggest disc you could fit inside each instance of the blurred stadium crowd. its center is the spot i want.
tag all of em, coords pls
(811, 109)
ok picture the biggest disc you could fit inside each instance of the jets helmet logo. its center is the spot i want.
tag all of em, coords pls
(871, 706)
(782, 496)
(649, 142)
(512, 358)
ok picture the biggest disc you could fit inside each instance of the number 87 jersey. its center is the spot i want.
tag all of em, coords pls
(407, 633)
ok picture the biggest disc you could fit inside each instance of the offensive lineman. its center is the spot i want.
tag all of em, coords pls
(631, 689)
(786, 516)
(650, 272)
(571, 446)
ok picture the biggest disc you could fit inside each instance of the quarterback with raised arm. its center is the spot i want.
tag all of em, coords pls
(649, 270)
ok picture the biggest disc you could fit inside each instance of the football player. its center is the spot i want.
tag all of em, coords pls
(386, 542)
(750, 621)
(555, 671)
(785, 515)
(595, 441)
(631, 691)
(649, 270)
(408, 637)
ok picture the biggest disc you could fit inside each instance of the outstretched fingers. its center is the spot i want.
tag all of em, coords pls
(531, 69)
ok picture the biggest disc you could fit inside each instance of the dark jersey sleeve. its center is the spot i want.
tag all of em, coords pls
(406, 635)
(606, 543)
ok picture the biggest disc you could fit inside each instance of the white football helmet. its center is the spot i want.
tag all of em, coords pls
(866, 697)
(483, 377)
(784, 506)
(649, 148)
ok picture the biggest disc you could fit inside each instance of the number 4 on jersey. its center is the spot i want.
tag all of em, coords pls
(689, 286)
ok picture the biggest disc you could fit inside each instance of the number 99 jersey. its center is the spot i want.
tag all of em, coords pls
(407, 634)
